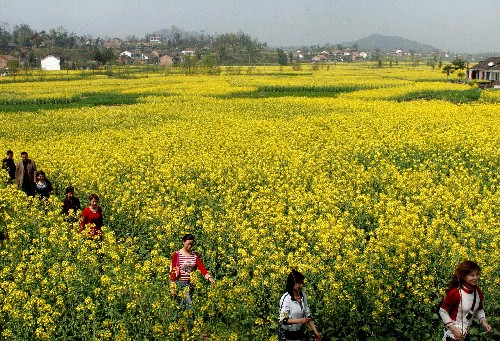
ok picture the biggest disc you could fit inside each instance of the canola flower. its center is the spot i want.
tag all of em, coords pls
(374, 199)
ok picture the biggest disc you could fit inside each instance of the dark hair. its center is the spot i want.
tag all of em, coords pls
(24, 153)
(40, 172)
(463, 269)
(187, 236)
(293, 278)
(9, 152)
(70, 189)
(93, 196)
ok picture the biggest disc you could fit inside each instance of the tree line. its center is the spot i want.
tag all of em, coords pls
(80, 51)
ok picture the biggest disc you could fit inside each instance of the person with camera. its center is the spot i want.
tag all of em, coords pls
(294, 311)
(463, 300)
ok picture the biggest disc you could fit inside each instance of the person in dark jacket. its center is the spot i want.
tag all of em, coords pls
(43, 187)
(71, 202)
(9, 165)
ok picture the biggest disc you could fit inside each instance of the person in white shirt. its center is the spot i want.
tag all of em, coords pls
(294, 311)
(463, 300)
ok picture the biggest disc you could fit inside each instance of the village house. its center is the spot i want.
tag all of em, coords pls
(129, 56)
(319, 58)
(51, 63)
(132, 56)
(191, 52)
(363, 55)
(488, 69)
(158, 53)
(154, 40)
(297, 55)
(164, 58)
(5, 60)
(354, 56)
(148, 58)
(395, 53)
(347, 56)
(115, 44)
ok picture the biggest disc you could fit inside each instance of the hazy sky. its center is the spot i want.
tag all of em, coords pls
(454, 25)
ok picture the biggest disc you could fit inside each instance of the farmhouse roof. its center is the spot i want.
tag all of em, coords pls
(7, 57)
(492, 63)
(160, 53)
(51, 57)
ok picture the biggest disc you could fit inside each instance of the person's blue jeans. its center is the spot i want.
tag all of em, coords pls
(185, 289)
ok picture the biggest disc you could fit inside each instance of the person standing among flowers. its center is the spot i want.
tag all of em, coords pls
(92, 218)
(294, 311)
(463, 300)
(184, 262)
(9, 165)
(71, 204)
(25, 175)
(43, 186)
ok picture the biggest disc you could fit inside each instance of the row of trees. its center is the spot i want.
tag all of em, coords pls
(78, 51)
(31, 46)
(84, 51)
(23, 36)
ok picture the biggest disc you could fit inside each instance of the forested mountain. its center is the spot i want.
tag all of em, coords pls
(381, 42)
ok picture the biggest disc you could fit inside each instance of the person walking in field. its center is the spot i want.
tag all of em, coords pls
(71, 204)
(184, 262)
(294, 313)
(92, 219)
(463, 301)
(43, 186)
(9, 165)
(25, 175)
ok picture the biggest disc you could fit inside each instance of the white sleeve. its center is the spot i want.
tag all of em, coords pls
(480, 314)
(284, 308)
(306, 306)
(445, 316)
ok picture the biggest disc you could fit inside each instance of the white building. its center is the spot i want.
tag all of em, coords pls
(51, 63)
(131, 54)
(488, 70)
(189, 52)
(155, 40)
(363, 55)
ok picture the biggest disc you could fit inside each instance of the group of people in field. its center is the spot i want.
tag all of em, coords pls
(463, 301)
(35, 183)
(30, 180)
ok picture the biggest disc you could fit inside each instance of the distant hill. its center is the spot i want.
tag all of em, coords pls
(374, 41)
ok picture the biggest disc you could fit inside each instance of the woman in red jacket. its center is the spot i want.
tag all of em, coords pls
(183, 263)
(92, 218)
(463, 300)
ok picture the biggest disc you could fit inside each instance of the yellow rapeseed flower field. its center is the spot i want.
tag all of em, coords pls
(373, 182)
